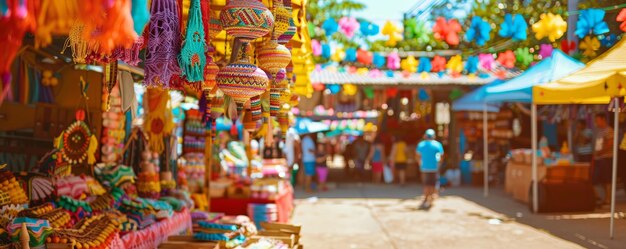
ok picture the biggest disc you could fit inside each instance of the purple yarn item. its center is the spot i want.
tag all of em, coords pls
(163, 44)
(129, 55)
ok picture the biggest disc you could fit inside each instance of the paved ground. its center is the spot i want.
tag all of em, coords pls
(357, 215)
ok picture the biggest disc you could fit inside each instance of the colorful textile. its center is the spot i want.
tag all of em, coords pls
(163, 44)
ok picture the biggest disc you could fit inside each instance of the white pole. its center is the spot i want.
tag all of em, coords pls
(533, 120)
(485, 152)
(614, 176)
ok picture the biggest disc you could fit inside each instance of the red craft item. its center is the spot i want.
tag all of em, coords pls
(392, 92)
(364, 56)
(80, 115)
(568, 46)
(507, 59)
(621, 17)
(447, 31)
(19, 19)
(438, 64)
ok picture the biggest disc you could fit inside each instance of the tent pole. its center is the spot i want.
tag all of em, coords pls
(616, 111)
(533, 124)
(485, 153)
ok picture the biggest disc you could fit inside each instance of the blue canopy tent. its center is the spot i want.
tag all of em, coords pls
(475, 100)
(519, 89)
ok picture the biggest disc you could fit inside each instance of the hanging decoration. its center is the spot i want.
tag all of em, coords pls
(392, 92)
(471, 65)
(378, 60)
(478, 31)
(369, 29)
(589, 45)
(486, 61)
(393, 32)
(350, 55)
(348, 26)
(330, 26)
(245, 20)
(409, 64)
(609, 40)
(415, 30)
(140, 14)
(163, 44)
(14, 16)
(350, 89)
(455, 94)
(422, 95)
(591, 21)
(326, 51)
(455, 65)
(338, 55)
(281, 19)
(112, 28)
(316, 47)
(334, 88)
(551, 26)
(621, 17)
(363, 56)
(158, 121)
(368, 91)
(375, 73)
(438, 64)
(77, 144)
(192, 59)
(393, 60)
(447, 31)
(424, 67)
(507, 59)
(545, 50)
(568, 46)
(523, 56)
(286, 36)
(514, 27)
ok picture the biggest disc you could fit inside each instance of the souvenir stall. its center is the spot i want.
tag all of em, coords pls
(116, 177)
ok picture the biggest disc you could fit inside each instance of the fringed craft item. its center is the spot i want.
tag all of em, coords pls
(11, 186)
(158, 122)
(245, 20)
(274, 101)
(40, 188)
(109, 23)
(55, 18)
(81, 48)
(273, 58)
(129, 55)
(163, 44)
(255, 108)
(241, 81)
(192, 59)
(77, 144)
(140, 14)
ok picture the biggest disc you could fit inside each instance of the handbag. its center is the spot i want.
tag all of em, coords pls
(387, 174)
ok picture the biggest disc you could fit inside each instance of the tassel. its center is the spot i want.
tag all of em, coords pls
(192, 59)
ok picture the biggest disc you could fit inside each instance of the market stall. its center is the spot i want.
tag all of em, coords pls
(600, 81)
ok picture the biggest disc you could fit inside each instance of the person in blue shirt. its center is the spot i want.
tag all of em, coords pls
(429, 154)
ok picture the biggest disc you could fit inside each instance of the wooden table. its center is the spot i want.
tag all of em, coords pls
(519, 176)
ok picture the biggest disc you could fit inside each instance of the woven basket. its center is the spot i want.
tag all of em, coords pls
(5, 199)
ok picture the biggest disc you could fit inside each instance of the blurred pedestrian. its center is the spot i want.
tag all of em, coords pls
(399, 159)
(348, 153)
(603, 157)
(429, 155)
(308, 161)
(320, 166)
(377, 155)
(583, 142)
(361, 155)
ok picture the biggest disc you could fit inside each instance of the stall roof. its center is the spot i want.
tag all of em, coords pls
(602, 78)
(519, 89)
(329, 77)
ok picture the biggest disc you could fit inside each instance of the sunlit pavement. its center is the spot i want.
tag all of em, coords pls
(354, 215)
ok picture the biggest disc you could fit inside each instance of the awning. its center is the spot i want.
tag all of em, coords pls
(330, 77)
(475, 100)
(602, 78)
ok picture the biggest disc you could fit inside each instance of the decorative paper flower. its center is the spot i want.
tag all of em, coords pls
(471, 65)
(392, 92)
(362, 71)
(486, 61)
(422, 95)
(369, 92)
(590, 21)
(621, 17)
(507, 59)
(330, 26)
(334, 88)
(455, 64)
(393, 61)
(393, 32)
(338, 55)
(478, 31)
(523, 56)
(568, 46)
(609, 40)
(389, 73)
(378, 60)
(424, 65)
(551, 26)
(447, 31)
(348, 25)
(316, 47)
(363, 56)
(590, 45)
(326, 51)
(351, 55)
(438, 64)
(415, 30)
(409, 64)
(375, 73)
(369, 29)
(514, 27)
(545, 50)
(349, 89)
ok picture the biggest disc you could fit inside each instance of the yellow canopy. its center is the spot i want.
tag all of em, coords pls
(600, 80)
